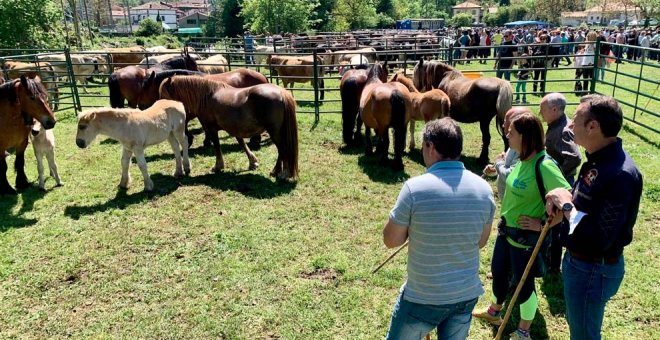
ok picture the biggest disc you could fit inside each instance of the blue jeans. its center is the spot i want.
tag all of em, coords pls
(500, 73)
(587, 289)
(413, 320)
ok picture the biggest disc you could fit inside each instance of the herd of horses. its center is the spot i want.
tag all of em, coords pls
(165, 96)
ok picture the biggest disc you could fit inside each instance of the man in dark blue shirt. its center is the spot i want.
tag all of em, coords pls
(601, 212)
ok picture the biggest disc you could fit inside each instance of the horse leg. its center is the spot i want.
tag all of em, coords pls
(142, 164)
(19, 167)
(357, 137)
(400, 144)
(189, 136)
(369, 150)
(181, 138)
(254, 163)
(383, 145)
(219, 161)
(125, 162)
(484, 124)
(255, 142)
(411, 144)
(5, 187)
(178, 167)
(50, 156)
(40, 169)
(279, 163)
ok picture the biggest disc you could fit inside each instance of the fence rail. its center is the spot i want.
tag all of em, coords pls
(635, 85)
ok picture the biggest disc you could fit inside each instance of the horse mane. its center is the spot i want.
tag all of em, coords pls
(179, 62)
(362, 67)
(435, 72)
(192, 91)
(164, 74)
(376, 72)
(106, 111)
(7, 91)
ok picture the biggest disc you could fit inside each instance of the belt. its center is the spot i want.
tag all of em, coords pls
(594, 259)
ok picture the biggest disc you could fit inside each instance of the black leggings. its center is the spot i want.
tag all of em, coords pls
(539, 78)
(509, 260)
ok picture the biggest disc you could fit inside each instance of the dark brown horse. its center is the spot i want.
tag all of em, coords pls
(21, 101)
(472, 100)
(350, 89)
(384, 106)
(239, 78)
(126, 83)
(243, 113)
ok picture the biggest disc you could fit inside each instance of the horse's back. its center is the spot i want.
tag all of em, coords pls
(472, 100)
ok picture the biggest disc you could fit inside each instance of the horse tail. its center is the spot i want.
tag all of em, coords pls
(398, 121)
(116, 98)
(446, 106)
(289, 135)
(503, 104)
(349, 109)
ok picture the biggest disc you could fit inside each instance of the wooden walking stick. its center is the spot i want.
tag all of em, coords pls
(528, 268)
(389, 258)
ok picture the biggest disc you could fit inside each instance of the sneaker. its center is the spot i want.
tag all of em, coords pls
(494, 320)
(519, 336)
(524, 101)
(517, 101)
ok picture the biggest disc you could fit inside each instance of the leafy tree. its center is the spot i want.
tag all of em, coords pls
(232, 22)
(385, 21)
(353, 14)
(30, 24)
(461, 19)
(278, 15)
(386, 7)
(148, 28)
(321, 16)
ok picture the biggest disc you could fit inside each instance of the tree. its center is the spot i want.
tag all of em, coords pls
(353, 14)
(148, 28)
(30, 24)
(461, 19)
(232, 22)
(278, 15)
(386, 7)
(321, 17)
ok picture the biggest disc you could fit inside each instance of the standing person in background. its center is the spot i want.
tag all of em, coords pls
(631, 40)
(497, 38)
(505, 162)
(644, 41)
(554, 49)
(539, 62)
(443, 253)
(600, 213)
(249, 47)
(560, 145)
(579, 38)
(588, 60)
(523, 209)
(504, 61)
(565, 48)
(603, 55)
(620, 40)
(484, 39)
(465, 41)
(522, 76)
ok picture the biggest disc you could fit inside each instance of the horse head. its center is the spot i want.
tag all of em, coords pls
(33, 98)
(418, 74)
(86, 132)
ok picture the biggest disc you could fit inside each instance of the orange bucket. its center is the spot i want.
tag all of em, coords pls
(472, 75)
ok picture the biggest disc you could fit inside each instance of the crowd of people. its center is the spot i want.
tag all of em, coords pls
(446, 216)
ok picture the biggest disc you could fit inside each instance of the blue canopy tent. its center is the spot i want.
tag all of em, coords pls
(513, 24)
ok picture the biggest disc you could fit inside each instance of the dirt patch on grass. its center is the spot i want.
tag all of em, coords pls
(323, 274)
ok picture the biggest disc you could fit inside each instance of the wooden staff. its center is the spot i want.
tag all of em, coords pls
(530, 263)
(389, 258)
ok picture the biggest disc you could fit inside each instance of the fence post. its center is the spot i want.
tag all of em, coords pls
(596, 68)
(72, 80)
(639, 83)
(450, 58)
(316, 89)
(229, 60)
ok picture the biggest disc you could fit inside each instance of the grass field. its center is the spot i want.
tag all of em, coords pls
(237, 255)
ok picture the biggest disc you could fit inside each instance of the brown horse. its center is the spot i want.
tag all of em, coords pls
(298, 69)
(126, 83)
(242, 113)
(427, 106)
(125, 56)
(350, 88)
(385, 105)
(20, 102)
(472, 100)
(240, 78)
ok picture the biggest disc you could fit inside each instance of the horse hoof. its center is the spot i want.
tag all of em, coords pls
(42, 189)
(253, 166)
(397, 166)
(216, 170)
(8, 191)
(22, 185)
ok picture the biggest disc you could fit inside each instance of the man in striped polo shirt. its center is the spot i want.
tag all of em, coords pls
(447, 213)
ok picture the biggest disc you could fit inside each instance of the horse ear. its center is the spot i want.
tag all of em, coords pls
(24, 81)
(421, 61)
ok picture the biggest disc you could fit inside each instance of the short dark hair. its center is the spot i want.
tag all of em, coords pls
(531, 130)
(606, 111)
(446, 137)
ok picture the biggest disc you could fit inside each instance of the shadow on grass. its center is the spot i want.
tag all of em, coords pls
(378, 173)
(206, 151)
(8, 202)
(639, 135)
(553, 287)
(248, 184)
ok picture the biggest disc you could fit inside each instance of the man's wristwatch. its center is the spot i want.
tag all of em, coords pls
(567, 207)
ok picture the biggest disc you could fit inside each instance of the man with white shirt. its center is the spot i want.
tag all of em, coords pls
(601, 212)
